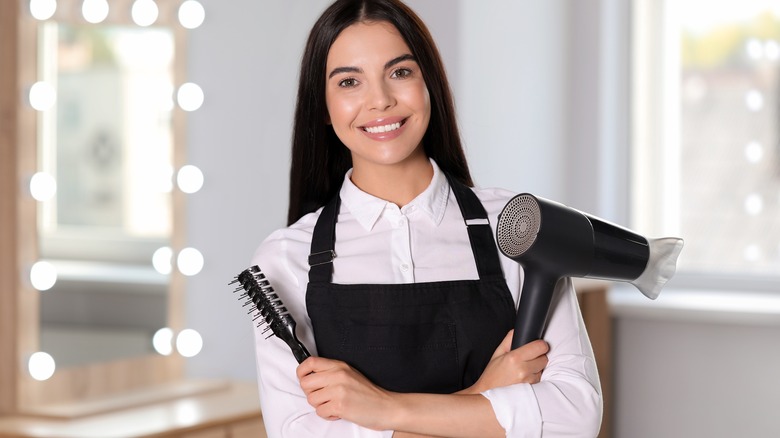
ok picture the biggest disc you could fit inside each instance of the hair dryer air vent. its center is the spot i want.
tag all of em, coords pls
(519, 226)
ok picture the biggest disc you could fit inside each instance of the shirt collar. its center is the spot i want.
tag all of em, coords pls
(367, 209)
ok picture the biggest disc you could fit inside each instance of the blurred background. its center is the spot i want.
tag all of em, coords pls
(663, 116)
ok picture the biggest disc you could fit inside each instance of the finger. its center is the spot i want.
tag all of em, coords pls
(316, 364)
(532, 349)
(305, 368)
(505, 345)
(536, 366)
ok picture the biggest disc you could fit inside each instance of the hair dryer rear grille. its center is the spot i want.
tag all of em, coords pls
(518, 225)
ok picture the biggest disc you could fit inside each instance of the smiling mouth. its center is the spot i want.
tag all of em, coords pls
(383, 128)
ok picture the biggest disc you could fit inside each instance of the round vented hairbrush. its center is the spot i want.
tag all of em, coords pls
(260, 296)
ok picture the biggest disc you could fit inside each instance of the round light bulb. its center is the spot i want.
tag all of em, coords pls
(42, 186)
(754, 152)
(189, 179)
(42, 96)
(41, 366)
(191, 14)
(162, 341)
(162, 260)
(189, 261)
(772, 50)
(94, 11)
(754, 204)
(144, 12)
(43, 275)
(190, 96)
(43, 9)
(754, 100)
(189, 343)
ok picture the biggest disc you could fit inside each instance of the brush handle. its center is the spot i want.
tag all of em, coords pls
(287, 334)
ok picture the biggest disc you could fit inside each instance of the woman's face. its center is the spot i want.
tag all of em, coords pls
(377, 100)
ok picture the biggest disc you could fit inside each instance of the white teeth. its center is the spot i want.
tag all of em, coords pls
(385, 128)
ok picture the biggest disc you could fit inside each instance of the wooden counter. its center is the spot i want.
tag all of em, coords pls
(232, 411)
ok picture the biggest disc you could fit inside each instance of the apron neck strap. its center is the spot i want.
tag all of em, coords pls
(483, 245)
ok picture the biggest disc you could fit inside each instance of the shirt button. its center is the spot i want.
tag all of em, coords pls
(404, 267)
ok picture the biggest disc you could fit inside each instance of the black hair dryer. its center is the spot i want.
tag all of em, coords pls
(551, 241)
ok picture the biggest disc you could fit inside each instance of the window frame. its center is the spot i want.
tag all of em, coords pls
(655, 141)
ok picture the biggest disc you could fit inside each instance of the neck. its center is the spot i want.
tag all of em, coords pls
(399, 183)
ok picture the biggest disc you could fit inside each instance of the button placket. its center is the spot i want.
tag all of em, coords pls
(402, 252)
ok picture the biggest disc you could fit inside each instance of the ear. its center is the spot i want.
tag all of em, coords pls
(327, 119)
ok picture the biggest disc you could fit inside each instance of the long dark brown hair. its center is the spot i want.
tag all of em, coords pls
(319, 158)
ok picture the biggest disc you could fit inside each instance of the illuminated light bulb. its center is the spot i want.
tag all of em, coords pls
(42, 96)
(189, 179)
(162, 260)
(189, 261)
(755, 49)
(43, 275)
(754, 152)
(190, 96)
(754, 100)
(191, 14)
(43, 9)
(144, 12)
(772, 50)
(94, 11)
(42, 186)
(41, 366)
(189, 343)
(162, 341)
(752, 253)
(754, 204)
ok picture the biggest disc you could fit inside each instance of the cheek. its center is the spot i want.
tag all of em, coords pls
(341, 111)
(417, 97)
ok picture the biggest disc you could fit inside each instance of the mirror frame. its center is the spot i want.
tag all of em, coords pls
(19, 301)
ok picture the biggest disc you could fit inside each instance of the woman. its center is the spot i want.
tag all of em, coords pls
(389, 264)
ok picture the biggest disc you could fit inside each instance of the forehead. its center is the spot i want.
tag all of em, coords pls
(363, 42)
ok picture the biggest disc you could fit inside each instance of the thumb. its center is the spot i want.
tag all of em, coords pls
(505, 345)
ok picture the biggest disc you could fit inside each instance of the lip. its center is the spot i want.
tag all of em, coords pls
(384, 136)
(384, 121)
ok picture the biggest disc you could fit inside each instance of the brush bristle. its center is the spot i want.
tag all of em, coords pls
(268, 308)
(260, 295)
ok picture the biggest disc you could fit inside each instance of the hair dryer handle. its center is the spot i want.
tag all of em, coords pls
(535, 300)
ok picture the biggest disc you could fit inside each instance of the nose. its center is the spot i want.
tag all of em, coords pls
(380, 97)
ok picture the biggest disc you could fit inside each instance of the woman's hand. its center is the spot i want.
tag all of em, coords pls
(336, 391)
(507, 367)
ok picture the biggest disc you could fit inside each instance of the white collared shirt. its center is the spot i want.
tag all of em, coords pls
(424, 241)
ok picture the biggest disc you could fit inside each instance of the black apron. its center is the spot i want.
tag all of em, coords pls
(434, 337)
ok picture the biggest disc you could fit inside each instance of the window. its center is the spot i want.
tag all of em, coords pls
(706, 135)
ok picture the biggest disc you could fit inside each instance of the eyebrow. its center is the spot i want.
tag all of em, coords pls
(388, 64)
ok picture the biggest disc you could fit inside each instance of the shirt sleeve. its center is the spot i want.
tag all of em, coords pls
(568, 401)
(286, 413)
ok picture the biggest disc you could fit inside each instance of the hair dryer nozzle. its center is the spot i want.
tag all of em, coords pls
(661, 266)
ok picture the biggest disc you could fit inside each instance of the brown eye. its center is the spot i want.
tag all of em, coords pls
(348, 83)
(401, 73)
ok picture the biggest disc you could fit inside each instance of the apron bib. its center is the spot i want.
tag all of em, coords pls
(434, 337)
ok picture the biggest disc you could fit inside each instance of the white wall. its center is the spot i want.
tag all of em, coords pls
(693, 376)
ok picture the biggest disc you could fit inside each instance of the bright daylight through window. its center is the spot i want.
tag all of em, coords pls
(716, 181)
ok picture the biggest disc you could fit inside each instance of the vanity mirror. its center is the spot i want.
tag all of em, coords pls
(96, 227)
